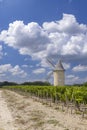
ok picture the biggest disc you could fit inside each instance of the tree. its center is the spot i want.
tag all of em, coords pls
(85, 84)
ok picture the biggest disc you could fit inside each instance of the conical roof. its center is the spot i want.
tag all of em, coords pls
(59, 66)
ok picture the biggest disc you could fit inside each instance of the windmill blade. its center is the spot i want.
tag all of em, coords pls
(49, 75)
(59, 58)
(63, 58)
(50, 63)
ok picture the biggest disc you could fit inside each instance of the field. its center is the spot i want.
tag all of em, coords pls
(47, 107)
(76, 95)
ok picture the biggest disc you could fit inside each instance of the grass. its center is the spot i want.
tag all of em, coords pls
(37, 118)
(55, 122)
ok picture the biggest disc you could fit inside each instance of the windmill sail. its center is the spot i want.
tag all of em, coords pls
(50, 63)
(49, 75)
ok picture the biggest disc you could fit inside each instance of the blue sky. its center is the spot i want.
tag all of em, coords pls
(31, 30)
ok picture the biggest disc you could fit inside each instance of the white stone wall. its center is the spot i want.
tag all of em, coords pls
(59, 78)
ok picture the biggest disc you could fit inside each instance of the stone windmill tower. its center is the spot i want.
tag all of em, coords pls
(58, 73)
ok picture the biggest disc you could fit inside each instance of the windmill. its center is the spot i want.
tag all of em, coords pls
(58, 72)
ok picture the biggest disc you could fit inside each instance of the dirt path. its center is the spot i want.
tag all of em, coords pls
(31, 115)
(6, 120)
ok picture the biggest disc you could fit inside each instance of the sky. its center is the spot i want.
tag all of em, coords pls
(33, 30)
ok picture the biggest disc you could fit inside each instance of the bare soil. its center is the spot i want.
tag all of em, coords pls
(6, 119)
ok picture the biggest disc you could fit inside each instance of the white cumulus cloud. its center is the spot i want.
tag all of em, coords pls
(66, 66)
(39, 71)
(67, 24)
(80, 68)
(64, 37)
(7, 69)
(1, 51)
(70, 79)
(28, 38)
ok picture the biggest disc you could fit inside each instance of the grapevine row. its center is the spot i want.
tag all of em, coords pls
(75, 95)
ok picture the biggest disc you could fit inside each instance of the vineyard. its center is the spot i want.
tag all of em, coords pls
(77, 96)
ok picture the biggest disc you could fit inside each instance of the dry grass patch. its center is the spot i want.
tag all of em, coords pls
(37, 118)
(53, 121)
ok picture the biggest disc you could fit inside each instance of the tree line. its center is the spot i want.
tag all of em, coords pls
(6, 83)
